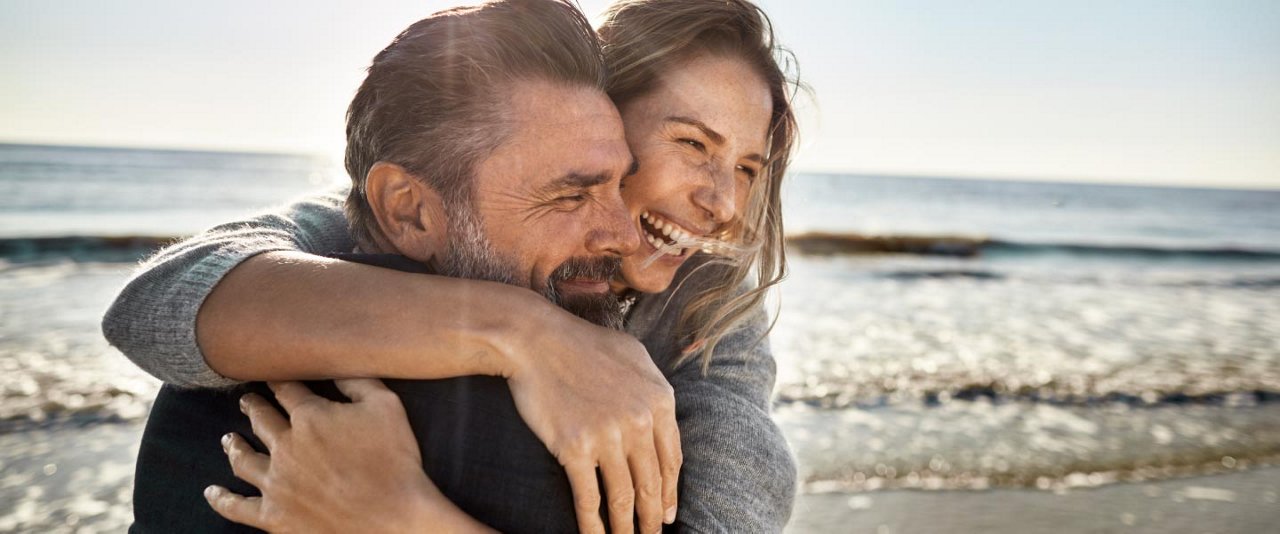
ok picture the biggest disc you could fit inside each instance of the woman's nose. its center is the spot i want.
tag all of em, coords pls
(716, 196)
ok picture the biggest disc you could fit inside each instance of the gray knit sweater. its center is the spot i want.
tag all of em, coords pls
(738, 473)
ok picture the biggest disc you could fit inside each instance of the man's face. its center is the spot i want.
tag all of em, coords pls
(547, 212)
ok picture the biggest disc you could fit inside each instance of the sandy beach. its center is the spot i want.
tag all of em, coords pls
(1241, 502)
(79, 479)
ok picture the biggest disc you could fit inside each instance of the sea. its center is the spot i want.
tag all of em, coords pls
(932, 333)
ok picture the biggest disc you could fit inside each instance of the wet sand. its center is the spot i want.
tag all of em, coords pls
(79, 479)
(1240, 502)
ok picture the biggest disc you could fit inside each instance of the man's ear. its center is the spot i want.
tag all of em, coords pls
(409, 213)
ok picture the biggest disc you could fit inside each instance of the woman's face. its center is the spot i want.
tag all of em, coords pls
(700, 140)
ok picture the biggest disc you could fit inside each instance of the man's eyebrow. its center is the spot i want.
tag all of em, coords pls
(579, 180)
(575, 180)
(712, 134)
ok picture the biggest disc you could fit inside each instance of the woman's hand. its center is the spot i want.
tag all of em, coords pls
(595, 398)
(334, 467)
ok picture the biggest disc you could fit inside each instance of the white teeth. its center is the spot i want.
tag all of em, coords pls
(668, 229)
(660, 245)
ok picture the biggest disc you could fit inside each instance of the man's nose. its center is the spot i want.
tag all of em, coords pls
(715, 196)
(617, 234)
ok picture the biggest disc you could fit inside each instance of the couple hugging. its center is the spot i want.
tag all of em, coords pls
(629, 176)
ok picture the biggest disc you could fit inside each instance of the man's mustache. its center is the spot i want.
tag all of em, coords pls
(604, 269)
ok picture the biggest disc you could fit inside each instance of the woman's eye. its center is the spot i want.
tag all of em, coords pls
(635, 168)
(751, 173)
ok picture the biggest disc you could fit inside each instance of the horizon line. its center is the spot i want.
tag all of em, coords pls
(816, 170)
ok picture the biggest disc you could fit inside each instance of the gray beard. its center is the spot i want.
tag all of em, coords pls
(471, 255)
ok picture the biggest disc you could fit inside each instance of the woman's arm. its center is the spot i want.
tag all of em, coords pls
(297, 316)
(153, 319)
(257, 300)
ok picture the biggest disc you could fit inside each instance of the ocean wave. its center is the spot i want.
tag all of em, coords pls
(935, 274)
(827, 244)
(1250, 281)
(814, 244)
(829, 396)
(1023, 445)
(81, 247)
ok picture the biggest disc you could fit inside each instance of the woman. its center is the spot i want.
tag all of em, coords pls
(707, 115)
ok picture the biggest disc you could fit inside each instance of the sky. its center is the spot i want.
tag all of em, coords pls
(1165, 92)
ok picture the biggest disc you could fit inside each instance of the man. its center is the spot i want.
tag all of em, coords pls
(465, 117)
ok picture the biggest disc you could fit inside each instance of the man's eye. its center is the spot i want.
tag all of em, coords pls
(695, 144)
(573, 198)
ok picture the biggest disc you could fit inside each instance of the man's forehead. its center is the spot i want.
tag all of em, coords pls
(555, 168)
(561, 131)
(543, 101)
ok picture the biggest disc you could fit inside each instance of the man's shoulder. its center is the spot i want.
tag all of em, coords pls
(387, 261)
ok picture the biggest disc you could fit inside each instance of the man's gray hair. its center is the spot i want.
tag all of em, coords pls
(434, 101)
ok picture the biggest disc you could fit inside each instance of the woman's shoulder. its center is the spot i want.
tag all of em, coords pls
(655, 319)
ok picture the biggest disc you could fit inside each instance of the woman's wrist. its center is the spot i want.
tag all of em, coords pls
(515, 322)
(432, 511)
(475, 325)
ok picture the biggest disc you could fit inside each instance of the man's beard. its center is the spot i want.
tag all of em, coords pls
(604, 309)
(471, 255)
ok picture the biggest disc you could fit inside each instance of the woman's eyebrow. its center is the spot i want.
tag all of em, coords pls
(706, 130)
(712, 134)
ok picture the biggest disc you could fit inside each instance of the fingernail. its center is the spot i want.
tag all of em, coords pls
(211, 492)
(226, 441)
(244, 404)
(671, 516)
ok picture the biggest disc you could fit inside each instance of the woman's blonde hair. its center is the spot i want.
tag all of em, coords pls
(643, 38)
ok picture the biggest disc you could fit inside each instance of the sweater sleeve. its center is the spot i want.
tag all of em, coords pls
(738, 474)
(153, 319)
